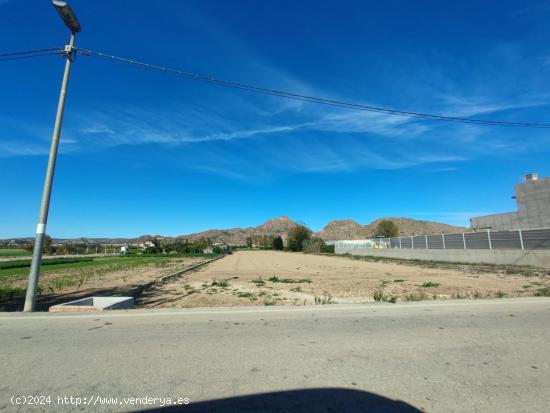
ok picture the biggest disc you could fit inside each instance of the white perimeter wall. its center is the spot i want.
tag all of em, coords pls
(539, 258)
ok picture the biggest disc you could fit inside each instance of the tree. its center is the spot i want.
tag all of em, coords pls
(202, 244)
(387, 228)
(296, 237)
(313, 245)
(47, 247)
(277, 243)
(266, 242)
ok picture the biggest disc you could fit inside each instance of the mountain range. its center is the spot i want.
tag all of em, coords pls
(334, 230)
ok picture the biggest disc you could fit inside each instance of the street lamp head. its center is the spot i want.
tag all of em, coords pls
(67, 14)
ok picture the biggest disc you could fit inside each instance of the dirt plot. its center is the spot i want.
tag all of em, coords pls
(275, 278)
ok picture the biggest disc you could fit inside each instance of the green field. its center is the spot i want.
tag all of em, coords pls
(14, 252)
(50, 265)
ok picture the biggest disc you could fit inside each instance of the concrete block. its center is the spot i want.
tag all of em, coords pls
(94, 304)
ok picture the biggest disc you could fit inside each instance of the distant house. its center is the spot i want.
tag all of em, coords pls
(147, 244)
(124, 249)
(222, 245)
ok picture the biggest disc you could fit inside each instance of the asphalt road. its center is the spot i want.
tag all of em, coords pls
(454, 356)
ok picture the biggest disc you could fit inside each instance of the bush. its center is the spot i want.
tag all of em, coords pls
(430, 284)
(47, 247)
(217, 249)
(316, 245)
(277, 243)
(379, 295)
(9, 292)
(329, 249)
(296, 237)
(543, 292)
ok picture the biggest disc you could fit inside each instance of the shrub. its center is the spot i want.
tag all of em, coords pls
(430, 284)
(379, 295)
(259, 282)
(275, 279)
(220, 283)
(543, 292)
(328, 249)
(312, 245)
(9, 292)
(277, 243)
(325, 299)
(416, 296)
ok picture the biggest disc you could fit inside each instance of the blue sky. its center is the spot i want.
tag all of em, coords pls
(143, 152)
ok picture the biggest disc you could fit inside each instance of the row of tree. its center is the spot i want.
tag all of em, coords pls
(265, 242)
(299, 239)
(67, 248)
(184, 246)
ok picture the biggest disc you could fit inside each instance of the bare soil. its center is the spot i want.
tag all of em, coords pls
(243, 278)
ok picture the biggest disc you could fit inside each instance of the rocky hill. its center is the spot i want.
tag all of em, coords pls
(237, 236)
(349, 229)
(343, 229)
(334, 230)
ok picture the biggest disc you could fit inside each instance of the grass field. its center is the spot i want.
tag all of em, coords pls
(113, 263)
(14, 252)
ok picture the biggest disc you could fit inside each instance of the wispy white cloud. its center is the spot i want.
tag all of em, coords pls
(462, 106)
(11, 148)
(273, 132)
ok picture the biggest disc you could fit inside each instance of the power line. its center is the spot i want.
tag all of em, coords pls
(306, 98)
(29, 56)
(30, 53)
(257, 89)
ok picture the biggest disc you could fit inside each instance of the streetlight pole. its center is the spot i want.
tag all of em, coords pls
(71, 21)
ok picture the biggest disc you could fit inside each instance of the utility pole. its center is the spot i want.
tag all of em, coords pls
(70, 20)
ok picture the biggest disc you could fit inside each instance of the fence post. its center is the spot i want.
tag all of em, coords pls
(443, 239)
(426, 238)
(489, 238)
(464, 240)
(521, 239)
(412, 242)
(399, 242)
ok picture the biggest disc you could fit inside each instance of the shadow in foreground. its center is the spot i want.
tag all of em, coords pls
(321, 400)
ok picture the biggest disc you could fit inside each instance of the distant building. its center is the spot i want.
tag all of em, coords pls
(533, 201)
(147, 244)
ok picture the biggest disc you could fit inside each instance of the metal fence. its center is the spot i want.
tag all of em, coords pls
(527, 239)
